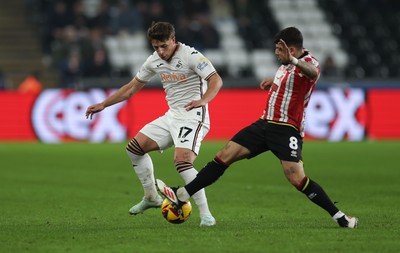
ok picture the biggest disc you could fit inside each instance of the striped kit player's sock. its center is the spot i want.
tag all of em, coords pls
(208, 175)
(317, 195)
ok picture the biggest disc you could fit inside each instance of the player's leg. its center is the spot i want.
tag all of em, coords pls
(287, 144)
(247, 143)
(187, 136)
(209, 174)
(184, 159)
(214, 169)
(294, 172)
(151, 137)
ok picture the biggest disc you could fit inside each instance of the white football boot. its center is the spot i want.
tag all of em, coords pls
(207, 221)
(146, 204)
(347, 221)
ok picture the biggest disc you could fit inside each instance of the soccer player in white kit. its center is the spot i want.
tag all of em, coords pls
(190, 82)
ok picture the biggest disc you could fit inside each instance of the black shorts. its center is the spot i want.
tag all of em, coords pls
(282, 139)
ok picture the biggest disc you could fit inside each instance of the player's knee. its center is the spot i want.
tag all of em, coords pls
(133, 147)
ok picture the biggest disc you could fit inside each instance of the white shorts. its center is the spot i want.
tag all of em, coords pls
(182, 132)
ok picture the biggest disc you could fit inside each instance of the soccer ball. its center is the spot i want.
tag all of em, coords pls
(176, 216)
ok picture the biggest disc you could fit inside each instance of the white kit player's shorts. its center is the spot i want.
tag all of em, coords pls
(181, 129)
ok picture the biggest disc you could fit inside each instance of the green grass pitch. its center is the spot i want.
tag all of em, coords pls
(75, 198)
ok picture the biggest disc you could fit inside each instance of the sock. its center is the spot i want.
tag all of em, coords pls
(317, 195)
(200, 196)
(182, 194)
(338, 215)
(208, 175)
(143, 167)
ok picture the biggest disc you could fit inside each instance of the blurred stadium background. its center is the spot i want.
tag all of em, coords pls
(76, 51)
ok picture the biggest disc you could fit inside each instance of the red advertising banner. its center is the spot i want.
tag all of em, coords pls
(229, 111)
(15, 116)
(57, 115)
(384, 111)
(337, 114)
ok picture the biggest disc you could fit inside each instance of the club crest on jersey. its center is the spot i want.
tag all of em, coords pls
(179, 65)
(203, 62)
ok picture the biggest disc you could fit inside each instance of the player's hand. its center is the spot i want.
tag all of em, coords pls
(194, 104)
(284, 54)
(91, 110)
(266, 84)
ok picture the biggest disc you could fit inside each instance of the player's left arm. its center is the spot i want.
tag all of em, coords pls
(307, 68)
(214, 85)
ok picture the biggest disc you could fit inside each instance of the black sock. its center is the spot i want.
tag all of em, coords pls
(317, 195)
(208, 175)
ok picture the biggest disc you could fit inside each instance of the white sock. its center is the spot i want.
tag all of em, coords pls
(143, 167)
(182, 194)
(338, 215)
(199, 197)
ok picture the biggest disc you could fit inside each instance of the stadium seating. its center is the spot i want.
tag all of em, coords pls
(358, 39)
(332, 28)
(369, 32)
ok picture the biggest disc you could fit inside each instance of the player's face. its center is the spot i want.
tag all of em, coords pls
(164, 49)
(283, 52)
(279, 47)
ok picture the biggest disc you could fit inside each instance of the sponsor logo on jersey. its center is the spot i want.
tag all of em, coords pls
(172, 77)
(203, 62)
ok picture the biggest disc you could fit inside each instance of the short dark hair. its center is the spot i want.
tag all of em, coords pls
(292, 37)
(161, 31)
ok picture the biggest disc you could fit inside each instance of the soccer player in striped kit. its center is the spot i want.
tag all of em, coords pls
(190, 82)
(279, 130)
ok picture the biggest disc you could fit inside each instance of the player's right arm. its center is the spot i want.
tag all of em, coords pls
(124, 93)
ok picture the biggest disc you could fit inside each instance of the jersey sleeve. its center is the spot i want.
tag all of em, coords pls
(201, 65)
(312, 60)
(145, 72)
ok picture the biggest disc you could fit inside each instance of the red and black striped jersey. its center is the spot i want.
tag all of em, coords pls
(290, 93)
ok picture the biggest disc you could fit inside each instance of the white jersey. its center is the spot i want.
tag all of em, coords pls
(183, 77)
